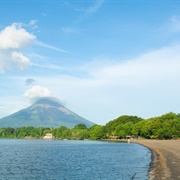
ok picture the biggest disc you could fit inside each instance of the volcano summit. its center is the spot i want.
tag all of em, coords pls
(45, 113)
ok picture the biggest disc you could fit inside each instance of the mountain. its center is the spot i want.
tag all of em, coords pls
(45, 113)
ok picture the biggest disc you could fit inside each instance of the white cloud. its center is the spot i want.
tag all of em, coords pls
(10, 59)
(154, 65)
(33, 24)
(50, 47)
(13, 39)
(146, 86)
(20, 60)
(48, 66)
(38, 92)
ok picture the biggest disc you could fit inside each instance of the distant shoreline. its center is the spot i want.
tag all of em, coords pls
(165, 159)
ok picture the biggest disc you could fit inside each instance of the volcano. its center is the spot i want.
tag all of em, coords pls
(44, 113)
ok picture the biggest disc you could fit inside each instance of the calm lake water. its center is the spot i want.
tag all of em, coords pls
(54, 159)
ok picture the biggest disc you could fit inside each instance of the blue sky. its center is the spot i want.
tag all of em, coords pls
(101, 59)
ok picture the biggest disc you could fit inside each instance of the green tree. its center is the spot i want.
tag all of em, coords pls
(122, 130)
(58, 132)
(111, 127)
(66, 134)
(97, 132)
(80, 126)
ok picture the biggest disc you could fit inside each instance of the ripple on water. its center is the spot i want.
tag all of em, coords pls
(40, 159)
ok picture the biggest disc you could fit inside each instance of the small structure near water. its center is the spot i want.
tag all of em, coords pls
(48, 136)
(113, 137)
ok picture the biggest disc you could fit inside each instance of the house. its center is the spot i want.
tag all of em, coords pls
(48, 136)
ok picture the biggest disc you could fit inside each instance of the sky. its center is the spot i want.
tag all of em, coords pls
(99, 58)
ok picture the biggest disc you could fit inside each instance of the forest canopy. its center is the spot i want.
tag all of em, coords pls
(166, 126)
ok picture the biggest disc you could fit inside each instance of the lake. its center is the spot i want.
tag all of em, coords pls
(72, 160)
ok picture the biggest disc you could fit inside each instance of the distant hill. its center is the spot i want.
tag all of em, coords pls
(45, 113)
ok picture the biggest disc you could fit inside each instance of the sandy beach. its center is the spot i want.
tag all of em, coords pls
(165, 163)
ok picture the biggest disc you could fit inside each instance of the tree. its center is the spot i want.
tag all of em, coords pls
(111, 127)
(58, 132)
(97, 132)
(66, 134)
(80, 126)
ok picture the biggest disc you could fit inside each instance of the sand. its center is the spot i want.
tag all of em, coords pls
(165, 163)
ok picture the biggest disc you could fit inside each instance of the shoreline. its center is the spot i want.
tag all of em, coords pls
(165, 158)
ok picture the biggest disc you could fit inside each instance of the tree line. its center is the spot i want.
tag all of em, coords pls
(166, 126)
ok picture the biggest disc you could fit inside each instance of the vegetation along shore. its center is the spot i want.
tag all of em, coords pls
(166, 126)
